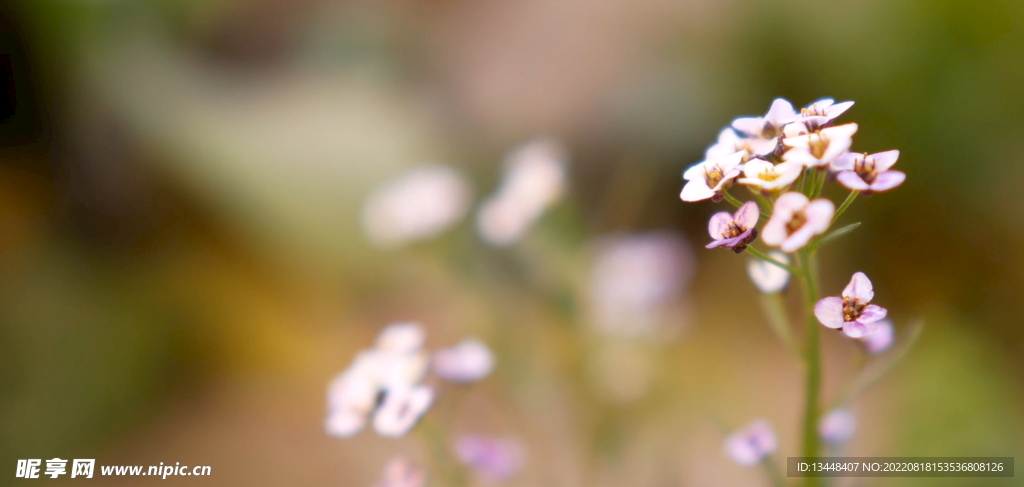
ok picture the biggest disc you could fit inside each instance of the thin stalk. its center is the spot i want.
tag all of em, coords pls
(819, 182)
(775, 310)
(765, 204)
(803, 180)
(812, 349)
(846, 204)
(765, 257)
(732, 199)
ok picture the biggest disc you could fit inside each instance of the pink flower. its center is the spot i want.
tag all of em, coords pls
(493, 459)
(400, 473)
(752, 444)
(734, 231)
(853, 311)
(868, 172)
(708, 179)
(820, 113)
(817, 149)
(795, 220)
(770, 125)
(879, 340)
(837, 427)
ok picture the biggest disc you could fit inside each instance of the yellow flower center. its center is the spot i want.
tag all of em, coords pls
(852, 308)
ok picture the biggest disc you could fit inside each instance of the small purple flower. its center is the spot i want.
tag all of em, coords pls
(868, 173)
(752, 444)
(493, 459)
(852, 312)
(734, 231)
(837, 427)
(879, 340)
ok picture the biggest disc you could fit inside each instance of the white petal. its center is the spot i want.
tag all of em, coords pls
(836, 110)
(469, 361)
(718, 224)
(401, 410)
(851, 180)
(846, 162)
(819, 215)
(829, 312)
(780, 111)
(860, 287)
(401, 338)
(769, 278)
(885, 160)
(698, 170)
(747, 215)
(696, 190)
(344, 424)
(749, 125)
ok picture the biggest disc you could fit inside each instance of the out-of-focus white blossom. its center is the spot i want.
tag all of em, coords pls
(769, 278)
(469, 361)
(764, 131)
(881, 338)
(401, 338)
(752, 444)
(818, 149)
(763, 176)
(401, 409)
(819, 113)
(493, 459)
(711, 177)
(795, 220)
(535, 179)
(636, 281)
(400, 473)
(418, 205)
(837, 427)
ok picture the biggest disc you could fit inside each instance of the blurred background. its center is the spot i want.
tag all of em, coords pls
(183, 263)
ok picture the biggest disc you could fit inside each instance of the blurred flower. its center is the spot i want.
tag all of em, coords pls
(400, 473)
(734, 231)
(752, 444)
(761, 175)
(711, 177)
(635, 281)
(401, 409)
(837, 427)
(868, 172)
(393, 368)
(493, 459)
(769, 126)
(769, 278)
(819, 148)
(795, 220)
(469, 361)
(418, 205)
(881, 339)
(852, 312)
(820, 113)
(534, 179)
(728, 143)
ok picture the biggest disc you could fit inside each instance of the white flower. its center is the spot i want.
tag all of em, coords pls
(401, 410)
(469, 361)
(853, 311)
(635, 280)
(729, 143)
(820, 113)
(795, 220)
(534, 179)
(401, 338)
(766, 177)
(869, 173)
(709, 178)
(751, 444)
(769, 278)
(769, 126)
(418, 205)
(837, 427)
(819, 148)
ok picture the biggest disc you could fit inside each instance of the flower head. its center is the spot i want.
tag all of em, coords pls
(469, 361)
(770, 125)
(852, 312)
(400, 473)
(493, 459)
(868, 172)
(766, 177)
(817, 149)
(710, 178)
(752, 444)
(837, 427)
(734, 231)
(418, 205)
(795, 220)
(769, 278)
(879, 340)
(401, 409)
(820, 113)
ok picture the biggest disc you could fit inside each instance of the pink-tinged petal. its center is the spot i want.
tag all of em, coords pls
(747, 215)
(844, 131)
(846, 162)
(887, 180)
(789, 203)
(794, 129)
(819, 215)
(749, 125)
(798, 239)
(719, 224)
(872, 313)
(860, 287)
(836, 148)
(696, 190)
(697, 171)
(780, 111)
(716, 243)
(774, 232)
(829, 312)
(730, 163)
(885, 160)
(881, 339)
(762, 146)
(741, 239)
(802, 156)
(852, 181)
(858, 329)
(836, 110)
(837, 427)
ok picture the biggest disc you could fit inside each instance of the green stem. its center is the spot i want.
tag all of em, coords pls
(775, 309)
(846, 204)
(765, 257)
(732, 199)
(812, 349)
(819, 182)
(765, 204)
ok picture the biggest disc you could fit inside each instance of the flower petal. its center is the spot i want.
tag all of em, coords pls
(696, 190)
(769, 278)
(749, 125)
(781, 111)
(851, 180)
(819, 215)
(887, 180)
(836, 110)
(719, 223)
(747, 215)
(829, 312)
(858, 329)
(859, 287)
(879, 340)
(885, 160)
(846, 162)
(872, 313)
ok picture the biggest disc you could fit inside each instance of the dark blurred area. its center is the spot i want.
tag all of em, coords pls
(182, 266)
